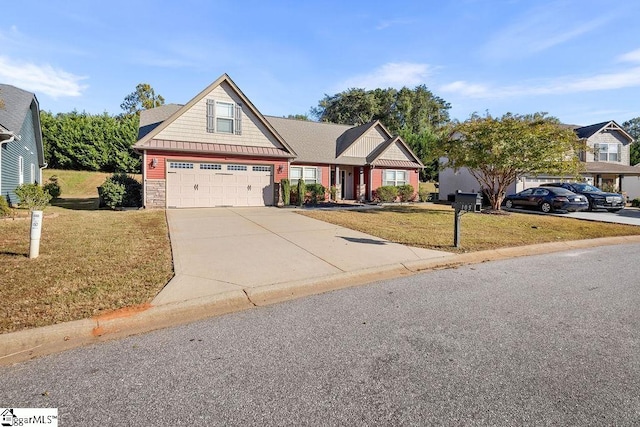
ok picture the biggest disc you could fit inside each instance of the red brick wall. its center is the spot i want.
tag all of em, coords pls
(378, 175)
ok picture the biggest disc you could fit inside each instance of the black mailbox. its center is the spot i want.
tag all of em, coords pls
(467, 202)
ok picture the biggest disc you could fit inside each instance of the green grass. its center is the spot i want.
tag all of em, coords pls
(431, 226)
(78, 184)
(90, 262)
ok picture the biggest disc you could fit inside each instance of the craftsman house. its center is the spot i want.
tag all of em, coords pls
(219, 150)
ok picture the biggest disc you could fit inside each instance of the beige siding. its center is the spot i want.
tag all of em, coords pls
(396, 152)
(611, 138)
(192, 125)
(366, 144)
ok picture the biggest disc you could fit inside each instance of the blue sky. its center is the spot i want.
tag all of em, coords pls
(578, 60)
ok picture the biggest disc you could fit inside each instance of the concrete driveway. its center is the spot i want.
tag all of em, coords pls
(629, 216)
(221, 250)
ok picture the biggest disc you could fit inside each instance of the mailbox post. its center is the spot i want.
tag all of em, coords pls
(464, 202)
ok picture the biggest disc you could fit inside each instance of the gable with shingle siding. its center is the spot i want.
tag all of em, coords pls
(367, 143)
(191, 126)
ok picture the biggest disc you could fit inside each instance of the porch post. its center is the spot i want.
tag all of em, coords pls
(338, 184)
(620, 183)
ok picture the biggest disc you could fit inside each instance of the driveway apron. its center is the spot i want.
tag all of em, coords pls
(218, 250)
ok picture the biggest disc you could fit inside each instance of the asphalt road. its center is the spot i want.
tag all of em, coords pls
(545, 340)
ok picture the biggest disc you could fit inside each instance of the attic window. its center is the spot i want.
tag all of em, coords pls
(224, 117)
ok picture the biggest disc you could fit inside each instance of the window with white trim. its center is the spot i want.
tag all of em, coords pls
(605, 152)
(236, 167)
(261, 168)
(20, 170)
(224, 117)
(395, 177)
(33, 173)
(309, 174)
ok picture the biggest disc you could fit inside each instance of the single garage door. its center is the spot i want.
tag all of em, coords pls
(195, 185)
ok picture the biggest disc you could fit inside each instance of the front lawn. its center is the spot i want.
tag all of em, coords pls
(91, 261)
(431, 226)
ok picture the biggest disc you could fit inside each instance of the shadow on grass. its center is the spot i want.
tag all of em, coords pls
(14, 254)
(80, 204)
(403, 209)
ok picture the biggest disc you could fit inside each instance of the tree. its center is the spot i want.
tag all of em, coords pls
(497, 151)
(83, 141)
(143, 98)
(633, 128)
(417, 115)
(303, 117)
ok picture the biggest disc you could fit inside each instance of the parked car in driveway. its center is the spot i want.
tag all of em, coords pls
(547, 200)
(598, 199)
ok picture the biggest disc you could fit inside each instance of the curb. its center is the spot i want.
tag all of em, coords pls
(24, 345)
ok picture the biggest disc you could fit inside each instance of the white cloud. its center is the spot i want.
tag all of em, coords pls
(563, 85)
(40, 78)
(393, 74)
(542, 28)
(633, 56)
(391, 22)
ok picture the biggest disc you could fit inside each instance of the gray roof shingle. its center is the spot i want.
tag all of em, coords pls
(150, 119)
(17, 103)
(313, 142)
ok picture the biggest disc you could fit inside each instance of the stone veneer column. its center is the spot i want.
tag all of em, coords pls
(156, 193)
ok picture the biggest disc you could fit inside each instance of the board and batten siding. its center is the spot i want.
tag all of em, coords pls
(366, 144)
(192, 125)
(607, 137)
(11, 153)
(396, 152)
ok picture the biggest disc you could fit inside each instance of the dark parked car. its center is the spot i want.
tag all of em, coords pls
(547, 200)
(598, 199)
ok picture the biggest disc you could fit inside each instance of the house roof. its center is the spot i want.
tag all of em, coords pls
(324, 143)
(17, 102)
(586, 132)
(144, 141)
(215, 148)
(314, 142)
(612, 168)
(153, 117)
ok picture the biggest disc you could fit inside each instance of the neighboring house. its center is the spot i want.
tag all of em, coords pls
(21, 150)
(605, 160)
(219, 150)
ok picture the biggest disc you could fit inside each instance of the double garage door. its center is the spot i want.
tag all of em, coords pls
(195, 185)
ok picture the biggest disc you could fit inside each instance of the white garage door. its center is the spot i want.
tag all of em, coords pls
(191, 185)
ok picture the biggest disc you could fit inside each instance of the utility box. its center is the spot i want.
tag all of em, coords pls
(467, 202)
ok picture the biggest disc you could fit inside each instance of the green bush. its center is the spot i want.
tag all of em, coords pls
(406, 192)
(333, 192)
(53, 188)
(32, 196)
(132, 189)
(286, 191)
(302, 192)
(120, 190)
(386, 194)
(316, 193)
(111, 194)
(424, 195)
(635, 203)
(5, 210)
